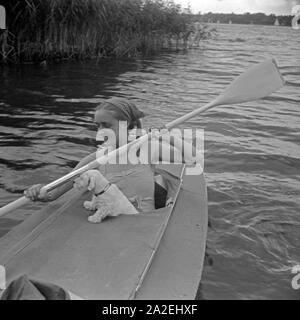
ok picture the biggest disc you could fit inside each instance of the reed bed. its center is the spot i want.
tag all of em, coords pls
(39, 30)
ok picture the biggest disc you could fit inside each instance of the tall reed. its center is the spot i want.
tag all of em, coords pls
(66, 29)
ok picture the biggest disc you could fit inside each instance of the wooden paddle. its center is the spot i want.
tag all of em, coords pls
(256, 83)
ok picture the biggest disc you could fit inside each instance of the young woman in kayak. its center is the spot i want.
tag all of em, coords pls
(136, 181)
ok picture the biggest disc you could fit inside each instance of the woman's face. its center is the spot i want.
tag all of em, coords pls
(105, 119)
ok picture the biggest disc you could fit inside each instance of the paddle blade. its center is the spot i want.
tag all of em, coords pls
(256, 83)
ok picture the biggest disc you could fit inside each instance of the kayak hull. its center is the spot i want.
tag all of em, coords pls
(176, 269)
(122, 258)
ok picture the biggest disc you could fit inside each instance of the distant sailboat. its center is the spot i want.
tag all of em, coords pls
(296, 12)
(2, 18)
(295, 24)
(276, 23)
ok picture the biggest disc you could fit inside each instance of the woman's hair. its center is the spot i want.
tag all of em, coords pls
(124, 110)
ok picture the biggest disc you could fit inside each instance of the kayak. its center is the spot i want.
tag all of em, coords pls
(152, 255)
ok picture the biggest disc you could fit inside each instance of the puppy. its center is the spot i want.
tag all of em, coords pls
(107, 200)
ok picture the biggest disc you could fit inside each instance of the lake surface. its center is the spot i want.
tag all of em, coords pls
(252, 150)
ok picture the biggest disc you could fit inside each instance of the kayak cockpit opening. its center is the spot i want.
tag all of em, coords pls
(167, 183)
(160, 192)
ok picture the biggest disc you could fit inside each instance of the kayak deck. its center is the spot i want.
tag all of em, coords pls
(176, 269)
(94, 261)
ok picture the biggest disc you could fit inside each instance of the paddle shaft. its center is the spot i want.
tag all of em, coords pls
(189, 115)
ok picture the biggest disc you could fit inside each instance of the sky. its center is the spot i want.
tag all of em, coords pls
(241, 6)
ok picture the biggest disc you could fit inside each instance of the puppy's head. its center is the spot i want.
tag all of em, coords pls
(81, 182)
(93, 180)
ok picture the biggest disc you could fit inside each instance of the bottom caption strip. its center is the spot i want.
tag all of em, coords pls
(150, 309)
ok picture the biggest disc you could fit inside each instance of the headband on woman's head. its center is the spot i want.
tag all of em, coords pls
(128, 108)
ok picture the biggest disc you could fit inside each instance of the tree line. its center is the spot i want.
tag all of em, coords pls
(246, 18)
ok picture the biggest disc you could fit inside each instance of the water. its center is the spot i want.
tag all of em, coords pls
(252, 163)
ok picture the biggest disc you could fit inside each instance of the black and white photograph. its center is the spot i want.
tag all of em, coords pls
(149, 152)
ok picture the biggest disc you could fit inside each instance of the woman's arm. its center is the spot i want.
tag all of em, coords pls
(183, 150)
(56, 193)
(173, 149)
(35, 193)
